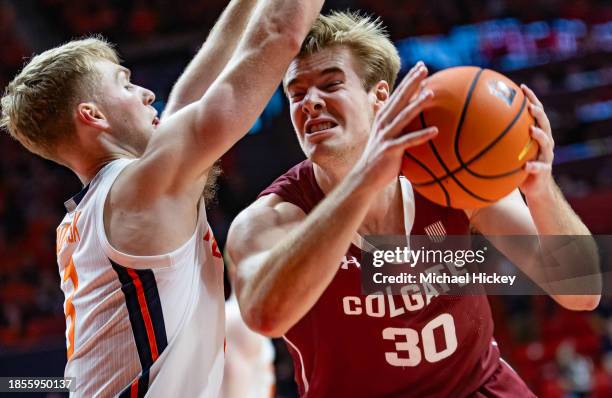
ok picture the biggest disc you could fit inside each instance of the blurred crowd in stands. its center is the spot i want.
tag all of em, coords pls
(559, 353)
(140, 18)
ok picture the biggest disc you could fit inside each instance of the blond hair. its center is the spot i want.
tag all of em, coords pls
(364, 36)
(37, 106)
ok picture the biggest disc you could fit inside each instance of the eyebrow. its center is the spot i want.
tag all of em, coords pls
(327, 71)
(125, 70)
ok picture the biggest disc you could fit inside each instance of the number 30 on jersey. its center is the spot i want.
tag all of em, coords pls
(407, 340)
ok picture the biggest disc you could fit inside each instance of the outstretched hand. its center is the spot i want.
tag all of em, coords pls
(382, 157)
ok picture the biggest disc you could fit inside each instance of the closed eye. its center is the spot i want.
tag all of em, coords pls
(296, 96)
(333, 84)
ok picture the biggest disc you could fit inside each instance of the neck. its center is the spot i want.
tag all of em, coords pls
(86, 160)
(329, 177)
(87, 172)
(385, 215)
(86, 167)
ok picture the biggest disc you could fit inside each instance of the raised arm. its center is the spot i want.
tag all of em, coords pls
(157, 194)
(282, 265)
(188, 142)
(285, 259)
(212, 57)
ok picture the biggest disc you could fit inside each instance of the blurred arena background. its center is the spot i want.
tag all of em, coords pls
(562, 49)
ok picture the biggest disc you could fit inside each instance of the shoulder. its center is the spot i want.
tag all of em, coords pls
(297, 186)
(269, 210)
(267, 220)
(297, 175)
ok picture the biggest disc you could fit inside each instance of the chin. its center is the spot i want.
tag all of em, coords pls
(324, 154)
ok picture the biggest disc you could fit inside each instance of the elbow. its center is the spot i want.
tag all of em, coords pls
(293, 41)
(588, 302)
(286, 34)
(265, 321)
(286, 42)
(579, 303)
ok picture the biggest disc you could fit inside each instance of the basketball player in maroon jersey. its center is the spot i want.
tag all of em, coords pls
(296, 248)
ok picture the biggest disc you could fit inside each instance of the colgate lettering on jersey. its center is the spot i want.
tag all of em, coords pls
(413, 297)
(386, 304)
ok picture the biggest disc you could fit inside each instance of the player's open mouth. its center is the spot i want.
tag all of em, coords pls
(317, 127)
(155, 121)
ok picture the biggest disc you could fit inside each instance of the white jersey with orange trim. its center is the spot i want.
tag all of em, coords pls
(139, 325)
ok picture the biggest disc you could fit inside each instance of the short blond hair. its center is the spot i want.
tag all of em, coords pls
(364, 36)
(37, 105)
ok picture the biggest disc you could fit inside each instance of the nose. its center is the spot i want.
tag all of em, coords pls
(313, 103)
(148, 97)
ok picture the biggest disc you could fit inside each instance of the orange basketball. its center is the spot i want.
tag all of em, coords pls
(483, 142)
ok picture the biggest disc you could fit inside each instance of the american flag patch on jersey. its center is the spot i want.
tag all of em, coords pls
(436, 232)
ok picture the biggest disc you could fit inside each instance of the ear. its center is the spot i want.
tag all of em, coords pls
(380, 93)
(90, 115)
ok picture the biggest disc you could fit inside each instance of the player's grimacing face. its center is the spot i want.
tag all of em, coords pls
(331, 111)
(126, 106)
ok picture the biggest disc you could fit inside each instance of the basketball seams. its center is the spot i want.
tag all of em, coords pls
(471, 86)
(466, 104)
(464, 165)
(491, 145)
(437, 155)
(447, 196)
(432, 146)
(431, 173)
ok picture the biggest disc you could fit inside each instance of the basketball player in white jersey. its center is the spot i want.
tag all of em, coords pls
(140, 269)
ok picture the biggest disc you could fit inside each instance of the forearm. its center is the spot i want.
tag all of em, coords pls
(238, 96)
(206, 129)
(212, 57)
(287, 280)
(575, 255)
(290, 20)
(552, 214)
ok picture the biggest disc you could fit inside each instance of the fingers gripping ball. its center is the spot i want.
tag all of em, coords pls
(484, 140)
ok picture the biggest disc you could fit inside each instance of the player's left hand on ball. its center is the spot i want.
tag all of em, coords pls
(540, 169)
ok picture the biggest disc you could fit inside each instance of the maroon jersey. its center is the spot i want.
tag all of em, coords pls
(411, 345)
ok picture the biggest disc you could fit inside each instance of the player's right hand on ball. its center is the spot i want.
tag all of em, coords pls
(382, 158)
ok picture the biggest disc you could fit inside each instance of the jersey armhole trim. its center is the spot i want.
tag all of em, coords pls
(159, 261)
(304, 378)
